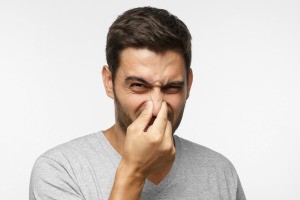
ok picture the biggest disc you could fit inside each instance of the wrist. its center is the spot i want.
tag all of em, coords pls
(128, 183)
(128, 174)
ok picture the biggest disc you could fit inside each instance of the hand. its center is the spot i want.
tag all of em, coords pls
(149, 149)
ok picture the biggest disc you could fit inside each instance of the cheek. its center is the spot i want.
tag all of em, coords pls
(176, 102)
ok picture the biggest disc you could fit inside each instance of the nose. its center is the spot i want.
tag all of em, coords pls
(157, 99)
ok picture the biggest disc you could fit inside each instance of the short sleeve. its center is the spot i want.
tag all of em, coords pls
(53, 180)
(240, 195)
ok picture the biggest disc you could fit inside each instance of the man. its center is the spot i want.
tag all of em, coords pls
(149, 78)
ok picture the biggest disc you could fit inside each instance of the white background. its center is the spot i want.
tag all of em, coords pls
(244, 101)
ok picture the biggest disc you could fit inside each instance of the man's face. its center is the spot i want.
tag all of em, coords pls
(145, 75)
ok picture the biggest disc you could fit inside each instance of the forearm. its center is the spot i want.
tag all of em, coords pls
(128, 184)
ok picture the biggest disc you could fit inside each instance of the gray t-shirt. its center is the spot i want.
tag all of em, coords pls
(85, 168)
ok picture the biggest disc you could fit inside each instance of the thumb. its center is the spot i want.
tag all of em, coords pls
(143, 120)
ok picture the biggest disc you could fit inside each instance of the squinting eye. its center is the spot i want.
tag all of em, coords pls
(172, 89)
(138, 87)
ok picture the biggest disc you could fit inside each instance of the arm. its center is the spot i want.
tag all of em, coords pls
(145, 152)
(128, 184)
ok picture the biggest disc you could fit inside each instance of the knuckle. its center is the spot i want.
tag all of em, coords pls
(169, 148)
(173, 152)
(156, 139)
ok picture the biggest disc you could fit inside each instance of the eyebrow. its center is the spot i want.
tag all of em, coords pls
(175, 83)
(138, 79)
(135, 78)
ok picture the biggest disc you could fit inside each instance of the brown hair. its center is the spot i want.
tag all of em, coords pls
(147, 27)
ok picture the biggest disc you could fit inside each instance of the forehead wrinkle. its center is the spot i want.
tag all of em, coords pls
(138, 64)
(135, 78)
(146, 79)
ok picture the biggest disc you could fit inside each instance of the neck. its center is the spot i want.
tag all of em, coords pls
(116, 137)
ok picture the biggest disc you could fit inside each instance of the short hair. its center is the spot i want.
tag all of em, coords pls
(147, 27)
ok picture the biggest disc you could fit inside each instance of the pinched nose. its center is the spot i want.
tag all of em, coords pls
(157, 99)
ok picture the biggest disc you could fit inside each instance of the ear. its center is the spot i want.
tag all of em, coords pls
(189, 82)
(107, 81)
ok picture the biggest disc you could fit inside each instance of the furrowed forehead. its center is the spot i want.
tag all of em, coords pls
(151, 66)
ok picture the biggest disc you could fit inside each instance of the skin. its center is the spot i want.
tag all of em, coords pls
(150, 91)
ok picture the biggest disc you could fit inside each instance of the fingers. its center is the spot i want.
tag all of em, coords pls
(169, 139)
(160, 122)
(143, 120)
(168, 132)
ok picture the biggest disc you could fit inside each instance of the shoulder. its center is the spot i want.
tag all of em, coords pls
(203, 156)
(60, 171)
(66, 153)
(203, 165)
(68, 157)
(72, 149)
